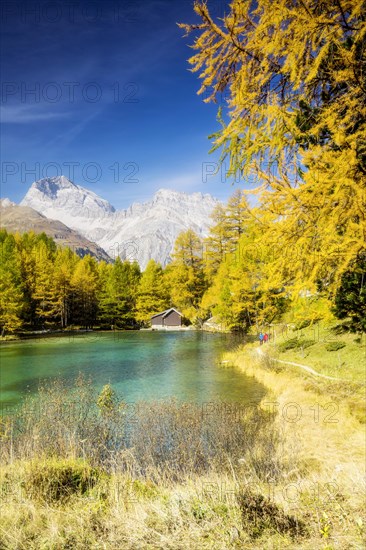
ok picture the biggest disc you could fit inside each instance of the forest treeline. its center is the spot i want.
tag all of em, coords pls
(231, 275)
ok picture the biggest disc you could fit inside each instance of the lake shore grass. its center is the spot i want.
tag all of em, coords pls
(83, 471)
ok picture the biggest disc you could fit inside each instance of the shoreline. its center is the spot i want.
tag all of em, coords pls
(313, 412)
(39, 334)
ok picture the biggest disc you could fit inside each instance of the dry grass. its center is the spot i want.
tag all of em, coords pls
(316, 418)
(170, 475)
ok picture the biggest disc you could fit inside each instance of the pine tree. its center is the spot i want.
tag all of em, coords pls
(350, 300)
(64, 266)
(10, 303)
(123, 300)
(84, 285)
(117, 294)
(186, 277)
(11, 295)
(44, 293)
(246, 291)
(237, 217)
(218, 299)
(152, 293)
(134, 281)
(27, 259)
(188, 249)
(217, 244)
(105, 308)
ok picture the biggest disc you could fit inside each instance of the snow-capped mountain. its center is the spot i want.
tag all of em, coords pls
(142, 231)
(59, 193)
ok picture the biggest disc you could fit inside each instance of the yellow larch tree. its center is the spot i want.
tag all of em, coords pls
(294, 77)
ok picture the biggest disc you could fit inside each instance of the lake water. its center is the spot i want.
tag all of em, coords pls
(140, 365)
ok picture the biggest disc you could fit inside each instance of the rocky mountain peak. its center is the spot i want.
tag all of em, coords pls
(54, 197)
(147, 230)
(52, 186)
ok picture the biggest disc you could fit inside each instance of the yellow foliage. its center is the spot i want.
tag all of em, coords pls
(294, 79)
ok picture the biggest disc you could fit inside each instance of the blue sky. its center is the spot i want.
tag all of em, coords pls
(102, 93)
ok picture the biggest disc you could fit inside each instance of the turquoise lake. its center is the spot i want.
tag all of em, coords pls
(140, 365)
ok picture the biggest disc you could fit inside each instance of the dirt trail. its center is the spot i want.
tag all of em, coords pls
(260, 352)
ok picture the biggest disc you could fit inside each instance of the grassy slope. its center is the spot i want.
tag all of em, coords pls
(324, 420)
(348, 363)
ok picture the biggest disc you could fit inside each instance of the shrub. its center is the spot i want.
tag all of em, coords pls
(107, 400)
(335, 346)
(306, 343)
(288, 344)
(260, 514)
(295, 343)
(55, 480)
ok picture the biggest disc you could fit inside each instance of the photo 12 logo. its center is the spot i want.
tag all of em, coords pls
(89, 172)
(52, 12)
(70, 92)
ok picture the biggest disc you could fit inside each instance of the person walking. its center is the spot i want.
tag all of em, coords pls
(261, 336)
(265, 337)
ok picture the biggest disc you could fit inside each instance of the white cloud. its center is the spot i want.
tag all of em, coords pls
(23, 114)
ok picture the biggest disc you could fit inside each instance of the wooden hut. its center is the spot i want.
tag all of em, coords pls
(170, 318)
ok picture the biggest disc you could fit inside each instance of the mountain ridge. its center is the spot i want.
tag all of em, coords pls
(21, 219)
(140, 232)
